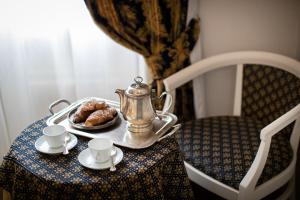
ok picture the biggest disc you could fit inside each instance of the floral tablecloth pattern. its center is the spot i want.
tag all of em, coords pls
(154, 173)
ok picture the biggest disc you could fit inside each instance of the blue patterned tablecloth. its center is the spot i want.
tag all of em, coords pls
(154, 173)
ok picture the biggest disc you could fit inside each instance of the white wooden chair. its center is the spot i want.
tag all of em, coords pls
(249, 185)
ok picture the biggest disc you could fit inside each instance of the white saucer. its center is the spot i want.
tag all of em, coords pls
(42, 145)
(86, 159)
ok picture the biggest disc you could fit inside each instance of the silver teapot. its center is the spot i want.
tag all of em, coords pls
(136, 106)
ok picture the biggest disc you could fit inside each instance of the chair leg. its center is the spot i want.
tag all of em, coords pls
(290, 191)
(244, 194)
(293, 194)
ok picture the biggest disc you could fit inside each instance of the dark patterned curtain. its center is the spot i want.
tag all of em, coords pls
(157, 29)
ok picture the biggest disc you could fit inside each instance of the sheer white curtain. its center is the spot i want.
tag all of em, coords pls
(51, 49)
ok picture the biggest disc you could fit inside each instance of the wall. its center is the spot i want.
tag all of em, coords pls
(235, 25)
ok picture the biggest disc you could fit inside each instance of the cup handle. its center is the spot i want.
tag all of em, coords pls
(170, 102)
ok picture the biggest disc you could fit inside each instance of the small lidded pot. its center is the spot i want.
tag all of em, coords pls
(136, 106)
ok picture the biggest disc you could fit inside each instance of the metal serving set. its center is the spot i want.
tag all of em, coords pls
(140, 126)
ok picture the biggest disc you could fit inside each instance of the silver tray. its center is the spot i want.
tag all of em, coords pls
(117, 132)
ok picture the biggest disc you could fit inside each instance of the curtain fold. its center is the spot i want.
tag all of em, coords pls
(156, 29)
(59, 54)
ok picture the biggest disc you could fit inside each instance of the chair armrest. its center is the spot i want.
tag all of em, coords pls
(280, 123)
(266, 134)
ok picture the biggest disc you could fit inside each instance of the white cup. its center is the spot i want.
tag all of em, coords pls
(55, 135)
(100, 149)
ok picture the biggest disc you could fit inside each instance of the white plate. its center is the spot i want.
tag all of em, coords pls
(42, 145)
(86, 159)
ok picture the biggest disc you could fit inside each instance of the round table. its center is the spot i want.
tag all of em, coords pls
(156, 172)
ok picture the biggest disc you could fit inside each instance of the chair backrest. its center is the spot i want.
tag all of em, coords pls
(268, 92)
(242, 60)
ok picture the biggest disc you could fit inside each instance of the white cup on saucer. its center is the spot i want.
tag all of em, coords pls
(55, 135)
(100, 149)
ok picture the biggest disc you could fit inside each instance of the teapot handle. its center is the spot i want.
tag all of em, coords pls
(170, 103)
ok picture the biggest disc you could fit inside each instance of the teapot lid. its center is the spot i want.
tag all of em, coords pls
(138, 88)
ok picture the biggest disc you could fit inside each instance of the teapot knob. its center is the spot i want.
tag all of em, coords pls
(138, 80)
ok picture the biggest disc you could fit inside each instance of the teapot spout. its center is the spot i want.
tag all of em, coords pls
(123, 103)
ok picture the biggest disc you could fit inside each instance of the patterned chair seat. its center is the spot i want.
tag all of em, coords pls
(224, 148)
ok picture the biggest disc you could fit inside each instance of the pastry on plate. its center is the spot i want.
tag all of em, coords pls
(100, 116)
(86, 109)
